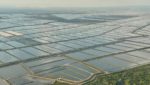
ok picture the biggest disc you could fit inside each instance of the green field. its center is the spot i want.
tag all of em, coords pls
(135, 76)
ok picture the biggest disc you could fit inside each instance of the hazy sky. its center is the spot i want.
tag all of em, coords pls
(71, 3)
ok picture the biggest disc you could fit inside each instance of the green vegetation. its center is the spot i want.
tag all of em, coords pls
(59, 83)
(135, 76)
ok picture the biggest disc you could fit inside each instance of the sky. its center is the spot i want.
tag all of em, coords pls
(71, 3)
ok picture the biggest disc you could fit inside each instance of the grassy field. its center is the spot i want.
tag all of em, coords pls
(135, 76)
